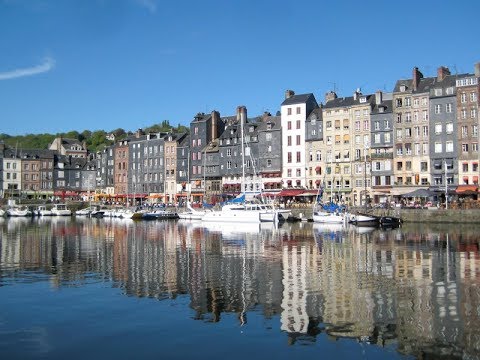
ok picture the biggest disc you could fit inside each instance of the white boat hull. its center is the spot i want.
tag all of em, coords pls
(325, 217)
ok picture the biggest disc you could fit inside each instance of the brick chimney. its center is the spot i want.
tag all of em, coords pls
(241, 111)
(378, 97)
(416, 76)
(215, 120)
(329, 96)
(477, 69)
(442, 73)
(289, 94)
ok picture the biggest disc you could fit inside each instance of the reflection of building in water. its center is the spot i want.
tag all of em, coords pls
(294, 317)
(420, 289)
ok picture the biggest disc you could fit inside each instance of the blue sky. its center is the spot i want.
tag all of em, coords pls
(106, 64)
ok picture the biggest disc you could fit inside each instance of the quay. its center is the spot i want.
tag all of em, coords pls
(451, 216)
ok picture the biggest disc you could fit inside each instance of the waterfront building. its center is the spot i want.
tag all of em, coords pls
(468, 122)
(203, 129)
(443, 135)
(269, 159)
(346, 144)
(121, 155)
(295, 110)
(381, 148)
(37, 172)
(69, 147)
(172, 186)
(313, 151)
(105, 171)
(411, 131)
(2, 149)
(236, 161)
(146, 174)
(183, 162)
(12, 174)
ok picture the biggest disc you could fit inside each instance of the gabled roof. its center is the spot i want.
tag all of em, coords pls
(298, 99)
(349, 101)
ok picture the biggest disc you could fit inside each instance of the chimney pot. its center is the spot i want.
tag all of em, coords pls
(289, 94)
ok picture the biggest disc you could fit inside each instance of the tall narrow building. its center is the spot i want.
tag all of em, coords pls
(295, 110)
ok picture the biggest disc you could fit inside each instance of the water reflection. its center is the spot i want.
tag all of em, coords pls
(415, 286)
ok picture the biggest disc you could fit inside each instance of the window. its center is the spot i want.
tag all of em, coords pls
(464, 148)
(357, 125)
(449, 146)
(289, 157)
(269, 162)
(448, 108)
(289, 125)
(473, 113)
(387, 137)
(399, 118)
(377, 125)
(399, 134)
(463, 113)
(415, 116)
(328, 125)
(408, 132)
(416, 148)
(465, 167)
(298, 140)
(423, 166)
(464, 131)
(299, 111)
(424, 115)
(438, 147)
(268, 136)
(474, 130)
(438, 109)
(407, 101)
(474, 147)
(438, 129)
(299, 157)
(463, 97)
(448, 128)
(289, 140)
(425, 131)
(298, 124)
(408, 117)
(377, 138)
(399, 150)
(289, 111)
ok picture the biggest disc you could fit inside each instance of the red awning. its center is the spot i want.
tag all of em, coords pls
(318, 182)
(318, 168)
(309, 192)
(463, 188)
(291, 192)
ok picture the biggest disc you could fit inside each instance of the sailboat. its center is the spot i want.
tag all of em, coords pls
(327, 213)
(238, 210)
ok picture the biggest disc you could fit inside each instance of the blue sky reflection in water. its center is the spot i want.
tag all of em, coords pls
(103, 289)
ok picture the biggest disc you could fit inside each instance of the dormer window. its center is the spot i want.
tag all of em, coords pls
(403, 88)
(251, 129)
(363, 99)
(269, 126)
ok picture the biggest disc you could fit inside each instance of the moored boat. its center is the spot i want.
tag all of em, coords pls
(61, 210)
(360, 219)
(43, 211)
(19, 211)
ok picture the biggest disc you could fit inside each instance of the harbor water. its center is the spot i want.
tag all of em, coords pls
(81, 288)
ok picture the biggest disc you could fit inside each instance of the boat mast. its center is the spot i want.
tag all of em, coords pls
(242, 115)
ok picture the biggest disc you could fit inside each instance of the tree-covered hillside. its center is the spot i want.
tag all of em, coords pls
(95, 140)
